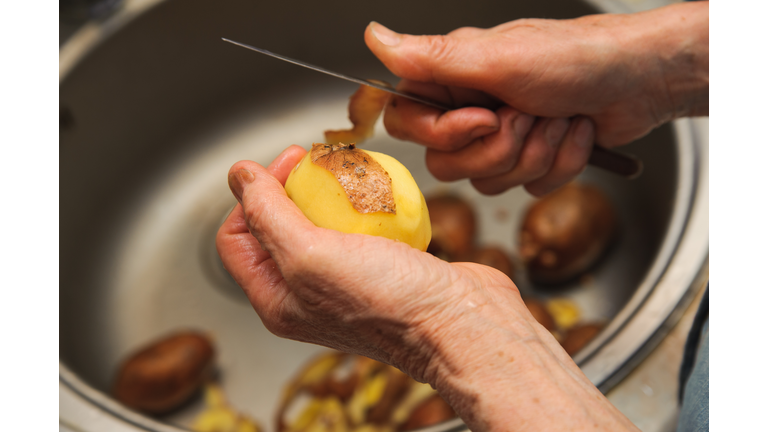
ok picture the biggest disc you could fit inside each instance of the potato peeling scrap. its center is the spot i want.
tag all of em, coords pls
(365, 107)
(344, 392)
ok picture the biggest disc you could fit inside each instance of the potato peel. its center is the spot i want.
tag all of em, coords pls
(383, 399)
(219, 416)
(316, 372)
(365, 107)
(565, 312)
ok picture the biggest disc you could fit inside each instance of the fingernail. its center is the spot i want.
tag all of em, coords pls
(582, 136)
(482, 131)
(522, 125)
(385, 35)
(238, 180)
(556, 129)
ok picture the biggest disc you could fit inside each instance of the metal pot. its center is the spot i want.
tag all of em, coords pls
(155, 109)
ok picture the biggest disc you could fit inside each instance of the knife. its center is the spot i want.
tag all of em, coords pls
(618, 163)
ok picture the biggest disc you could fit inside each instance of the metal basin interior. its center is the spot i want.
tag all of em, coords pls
(159, 108)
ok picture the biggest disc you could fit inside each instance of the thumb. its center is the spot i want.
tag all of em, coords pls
(279, 226)
(441, 59)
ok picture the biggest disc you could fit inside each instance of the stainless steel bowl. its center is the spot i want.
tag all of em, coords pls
(155, 109)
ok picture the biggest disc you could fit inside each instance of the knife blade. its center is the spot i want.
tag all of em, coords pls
(618, 163)
(341, 75)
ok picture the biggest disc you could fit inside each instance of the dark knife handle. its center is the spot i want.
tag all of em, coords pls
(618, 163)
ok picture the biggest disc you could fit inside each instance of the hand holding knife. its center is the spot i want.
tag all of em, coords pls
(617, 163)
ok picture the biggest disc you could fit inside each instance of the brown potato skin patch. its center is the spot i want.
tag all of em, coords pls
(367, 185)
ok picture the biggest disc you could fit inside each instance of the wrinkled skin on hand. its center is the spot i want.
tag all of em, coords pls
(355, 293)
(388, 301)
(550, 88)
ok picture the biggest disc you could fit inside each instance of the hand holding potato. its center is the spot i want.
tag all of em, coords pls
(389, 301)
(357, 293)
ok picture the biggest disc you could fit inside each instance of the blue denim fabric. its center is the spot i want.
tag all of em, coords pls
(694, 414)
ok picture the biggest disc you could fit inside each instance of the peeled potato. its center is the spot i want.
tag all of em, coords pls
(358, 191)
(566, 233)
(165, 374)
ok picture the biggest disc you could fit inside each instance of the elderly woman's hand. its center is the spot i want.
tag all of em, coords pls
(551, 89)
(357, 293)
(461, 327)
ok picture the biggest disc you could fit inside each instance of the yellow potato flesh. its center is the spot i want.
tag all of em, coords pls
(321, 198)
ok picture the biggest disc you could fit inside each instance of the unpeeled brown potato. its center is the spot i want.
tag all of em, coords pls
(565, 233)
(453, 227)
(165, 374)
(493, 257)
(432, 411)
(578, 336)
(540, 313)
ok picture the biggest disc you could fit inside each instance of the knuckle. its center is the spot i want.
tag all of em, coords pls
(303, 263)
(445, 142)
(465, 31)
(570, 168)
(435, 134)
(439, 170)
(396, 132)
(253, 214)
(394, 126)
(278, 326)
(441, 167)
(439, 49)
(569, 164)
(502, 156)
(539, 162)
